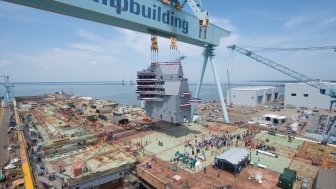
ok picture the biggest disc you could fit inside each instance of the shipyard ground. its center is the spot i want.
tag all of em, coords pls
(4, 124)
(10, 163)
(210, 112)
(161, 175)
(174, 140)
(73, 148)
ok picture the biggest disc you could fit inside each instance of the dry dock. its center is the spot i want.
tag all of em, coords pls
(75, 142)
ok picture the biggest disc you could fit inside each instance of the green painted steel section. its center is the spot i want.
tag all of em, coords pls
(2, 176)
(147, 16)
(287, 179)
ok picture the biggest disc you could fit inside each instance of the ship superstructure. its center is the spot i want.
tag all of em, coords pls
(165, 92)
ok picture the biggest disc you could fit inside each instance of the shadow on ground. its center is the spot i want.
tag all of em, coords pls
(176, 131)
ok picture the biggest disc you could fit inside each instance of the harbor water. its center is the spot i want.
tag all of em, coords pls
(116, 91)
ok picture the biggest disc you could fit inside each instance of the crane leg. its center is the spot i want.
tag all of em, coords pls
(198, 89)
(220, 91)
(208, 53)
(331, 104)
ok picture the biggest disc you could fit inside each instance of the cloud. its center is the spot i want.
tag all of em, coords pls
(223, 23)
(135, 41)
(63, 57)
(267, 15)
(4, 63)
(87, 47)
(16, 13)
(92, 54)
(93, 50)
(87, 35)
(296, 21)
(329, 21)
(226, 24)
(270, 41)
(140, 43)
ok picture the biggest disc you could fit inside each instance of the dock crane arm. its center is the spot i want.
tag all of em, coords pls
(179, 59)
(202, 15)
(195, 6)
(324, 88)
(276, 66)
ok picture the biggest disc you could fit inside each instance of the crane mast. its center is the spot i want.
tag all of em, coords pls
(201, 14)
(196, 7)
(208, 52)
(154, 17)
(8, 89)
(289, 72)
(324, 88)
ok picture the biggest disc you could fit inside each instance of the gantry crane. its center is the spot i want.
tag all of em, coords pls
(325, 88)
(8, 89)
(162, 18)
(147, 16)
(196, 7)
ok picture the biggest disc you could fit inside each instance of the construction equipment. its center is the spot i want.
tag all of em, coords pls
(8, 88)
(265, 49)
(229, 89)
(2, 176)
(164, 20)
(325, 89)
(196, 7)
(179, 59)
(154, 49)
(147, 119)
(287, 179)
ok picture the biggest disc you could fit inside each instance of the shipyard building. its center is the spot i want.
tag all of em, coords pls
(303, 95)
(253, 96)
(165, 92)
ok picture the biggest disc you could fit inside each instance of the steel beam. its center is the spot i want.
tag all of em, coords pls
(199, 84)
(219, 88)
(149, 16)
(208, 53)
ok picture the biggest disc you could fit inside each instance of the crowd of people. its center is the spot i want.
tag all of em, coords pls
(216, 140)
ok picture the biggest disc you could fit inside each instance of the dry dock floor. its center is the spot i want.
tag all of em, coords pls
(174, 139)
(4, 123)
(212, 178)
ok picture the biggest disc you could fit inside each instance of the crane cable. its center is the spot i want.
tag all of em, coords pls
(231, 64)
(174, 52)
(154, 49)
(229, 73)
(267, 49)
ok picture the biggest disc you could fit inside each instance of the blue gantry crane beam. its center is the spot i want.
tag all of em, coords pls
(325, 88)
(146, 16)
(164, 18)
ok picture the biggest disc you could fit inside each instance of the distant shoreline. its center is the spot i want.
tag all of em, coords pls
(133, 82)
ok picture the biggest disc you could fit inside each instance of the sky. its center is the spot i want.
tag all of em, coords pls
(41, 46)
